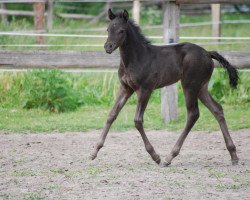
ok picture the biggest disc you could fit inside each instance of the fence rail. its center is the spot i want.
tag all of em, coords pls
(105, 36)
(58, 59)
(91, 59)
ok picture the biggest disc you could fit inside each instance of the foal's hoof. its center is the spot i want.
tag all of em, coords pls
(158, 160)
(235, 162)
(92, 157)
(165, 164)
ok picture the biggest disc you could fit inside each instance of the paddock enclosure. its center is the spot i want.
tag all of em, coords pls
(44, 13)
(54, 165)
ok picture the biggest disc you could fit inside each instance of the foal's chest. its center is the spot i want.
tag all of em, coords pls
(129, 78)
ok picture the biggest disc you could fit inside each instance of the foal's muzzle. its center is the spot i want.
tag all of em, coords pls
(110, 47)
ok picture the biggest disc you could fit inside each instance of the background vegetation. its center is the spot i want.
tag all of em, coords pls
(53, 100)
(34, 101)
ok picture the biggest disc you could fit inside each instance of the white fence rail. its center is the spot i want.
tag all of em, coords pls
(105, 36)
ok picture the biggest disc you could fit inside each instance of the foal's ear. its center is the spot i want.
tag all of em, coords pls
(111, 14)
(125, 15)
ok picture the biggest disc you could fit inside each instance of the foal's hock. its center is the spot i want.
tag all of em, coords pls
(145, 67)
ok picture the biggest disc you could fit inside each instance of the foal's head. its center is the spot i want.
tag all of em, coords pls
(116, 30)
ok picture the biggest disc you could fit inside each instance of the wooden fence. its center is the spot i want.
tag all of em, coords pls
(86, 59)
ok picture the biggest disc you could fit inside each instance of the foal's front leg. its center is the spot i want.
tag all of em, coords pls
(143, 97)
(124, 95)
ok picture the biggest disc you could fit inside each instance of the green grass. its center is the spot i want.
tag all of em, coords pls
(32, 196)
(23, 173)
(94, 171)
(94, 117)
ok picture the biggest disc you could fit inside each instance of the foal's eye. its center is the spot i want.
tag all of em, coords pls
(121, 31)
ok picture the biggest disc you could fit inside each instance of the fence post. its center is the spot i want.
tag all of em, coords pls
(169, 98)
(4, 16)
(50, 15)
(39, 10)
(216, 20)
(136, 11)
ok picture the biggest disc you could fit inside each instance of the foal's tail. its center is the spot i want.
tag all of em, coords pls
(232, 71)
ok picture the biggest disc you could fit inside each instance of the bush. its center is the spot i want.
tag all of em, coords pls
(151, 15)
(59, 91)
(10, 89)
(49, 90)
(221, 90)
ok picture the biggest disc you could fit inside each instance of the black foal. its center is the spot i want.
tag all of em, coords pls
(145, 67)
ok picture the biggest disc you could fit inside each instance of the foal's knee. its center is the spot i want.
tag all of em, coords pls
(138, 124)
(219, 114)
(194, 114)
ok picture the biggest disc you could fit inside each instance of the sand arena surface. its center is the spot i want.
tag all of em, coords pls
(56, 166)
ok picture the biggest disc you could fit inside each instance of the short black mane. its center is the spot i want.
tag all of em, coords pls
(136, 29)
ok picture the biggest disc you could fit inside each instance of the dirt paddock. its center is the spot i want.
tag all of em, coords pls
(56, 166)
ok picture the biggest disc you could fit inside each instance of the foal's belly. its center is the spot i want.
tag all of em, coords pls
(168, 77)
(153, 78)
(150, 83)
(167, 82)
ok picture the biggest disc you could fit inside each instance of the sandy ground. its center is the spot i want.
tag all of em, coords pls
(56, 166)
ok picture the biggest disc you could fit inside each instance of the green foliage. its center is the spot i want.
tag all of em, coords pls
(98, 89)
(221, 90)
(10, 89)
(97, 93)
(60, 91)
(19, 6)
(81, 8)
(49, 90)
(151, 15)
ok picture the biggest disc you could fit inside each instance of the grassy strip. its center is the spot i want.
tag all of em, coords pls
(94, 117)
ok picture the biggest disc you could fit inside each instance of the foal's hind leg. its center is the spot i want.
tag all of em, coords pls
(191, 97)
(217, 111)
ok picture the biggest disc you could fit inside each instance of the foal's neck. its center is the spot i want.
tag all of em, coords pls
(133, 49)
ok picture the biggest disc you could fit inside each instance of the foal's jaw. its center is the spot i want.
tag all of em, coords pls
(110, 47)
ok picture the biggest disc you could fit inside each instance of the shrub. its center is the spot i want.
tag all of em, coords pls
(58, 91)
(50, 90)
(151, 15)
(221, 90)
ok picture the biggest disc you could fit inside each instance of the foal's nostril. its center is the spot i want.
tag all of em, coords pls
(110, 46)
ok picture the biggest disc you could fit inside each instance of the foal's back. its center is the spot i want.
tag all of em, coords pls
(181, 61)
